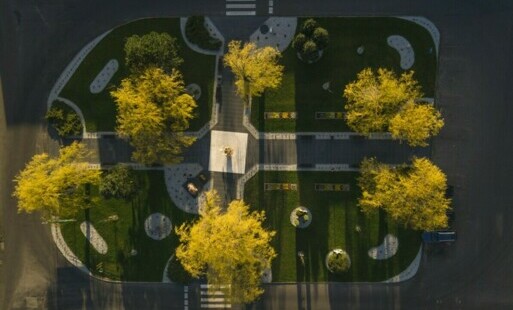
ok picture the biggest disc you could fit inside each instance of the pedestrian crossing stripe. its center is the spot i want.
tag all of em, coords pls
(213, 298)
(240, 7)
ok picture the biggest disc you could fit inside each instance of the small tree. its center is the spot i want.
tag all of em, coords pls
(321, 38)
(151, 50)
(255, 69)
(309, 27)
(153, 112)
(120, 182)
(65, 122)
(56, 186)
(413, 195)
(229, 246)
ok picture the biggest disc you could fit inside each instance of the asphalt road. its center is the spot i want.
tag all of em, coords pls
(38, 39)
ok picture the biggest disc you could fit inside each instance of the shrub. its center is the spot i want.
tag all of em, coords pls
(299, 42)
(309, 26)
(310, 40)
(64, 119)
(338, 261)
(120, 182)
(152, 50)
(197, 34)
(320, 37)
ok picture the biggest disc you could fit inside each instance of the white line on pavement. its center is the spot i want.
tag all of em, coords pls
(241, 6)
(237, 13)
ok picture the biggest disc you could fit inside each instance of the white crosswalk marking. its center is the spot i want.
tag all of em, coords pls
(213, 298)
(240, 7)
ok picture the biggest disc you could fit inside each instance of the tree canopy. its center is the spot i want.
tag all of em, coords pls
(119, 182)
(229, 246)
(153, 112)
(56, 186)
(381, 101)
(152, 50)
(413, 195)
(310, 40)
(255, 69)
(415, 123)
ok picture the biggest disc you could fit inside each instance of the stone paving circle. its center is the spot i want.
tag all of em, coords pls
(301, 223)
(157, 226)
(194, 90)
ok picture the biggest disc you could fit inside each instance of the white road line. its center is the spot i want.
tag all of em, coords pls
(240, 13)
(212, 293)
(214, 286)
(213, 299)
(241, 6)
(216, 306)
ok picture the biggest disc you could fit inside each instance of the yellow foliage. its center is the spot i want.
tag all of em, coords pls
(154, 111)
(374, 98)
(255, 69)
(415, 123)
(229, 246)
(56, 186)
(413, 195)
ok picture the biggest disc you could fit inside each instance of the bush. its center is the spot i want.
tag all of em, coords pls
(64, 119)
(308, 27)
(197, 34)
(120, 182)
(299, 42)
(320, 37)
(338, 261)
(152, 50)
(310, 41)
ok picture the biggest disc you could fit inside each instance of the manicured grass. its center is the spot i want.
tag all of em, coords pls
(128, 233)
(99, 109)
(335, 216)
(302, 90)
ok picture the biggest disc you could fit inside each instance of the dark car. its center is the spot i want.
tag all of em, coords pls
(438, 236)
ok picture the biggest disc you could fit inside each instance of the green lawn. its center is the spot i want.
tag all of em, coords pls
(99, 109)
(302, 91)
(335, 216)
(128, 233)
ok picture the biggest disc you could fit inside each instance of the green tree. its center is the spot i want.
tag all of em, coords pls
(151, 50)
(412, 195)
(153, 112)
(229, 246)
(321, 38)
(375, 98)
(415, 123)
(65, 121)
(255, 69)
(119, 182)
(310, 40)
(56, 186)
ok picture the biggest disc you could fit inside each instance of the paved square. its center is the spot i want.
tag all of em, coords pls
(219, 162)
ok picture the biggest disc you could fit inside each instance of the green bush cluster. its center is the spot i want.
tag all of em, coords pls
(310, 40)
(64, 119)
(197, 34)
(120, 182)
(338, 262)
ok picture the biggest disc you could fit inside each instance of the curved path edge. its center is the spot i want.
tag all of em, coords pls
(72, 67)
(409, 272)
(426, 24)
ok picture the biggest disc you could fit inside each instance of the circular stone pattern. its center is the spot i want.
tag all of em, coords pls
(157, 226)
(301, 217)
(338, 261)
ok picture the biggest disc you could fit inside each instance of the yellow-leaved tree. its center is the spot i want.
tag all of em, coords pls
(229, 246)
(153, 112)
(382, 101)
(56, 186)
(415, 123)
(412, 195)
(255, 69)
